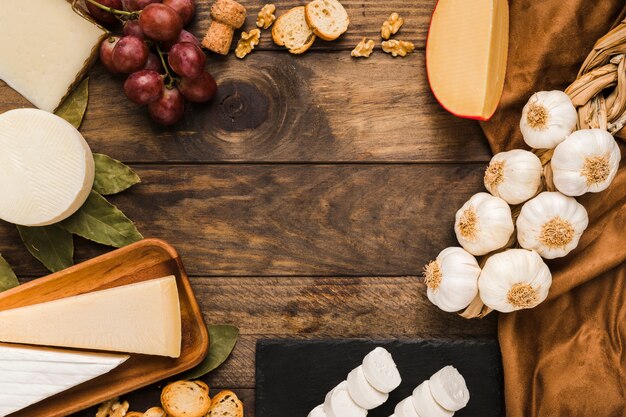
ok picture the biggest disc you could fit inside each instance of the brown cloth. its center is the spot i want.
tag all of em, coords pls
(567, 357)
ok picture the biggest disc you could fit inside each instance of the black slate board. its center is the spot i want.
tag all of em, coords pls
(293, 376)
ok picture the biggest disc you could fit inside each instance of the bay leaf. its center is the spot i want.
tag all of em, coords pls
(52, 245)
(7, 276)
(102, 222)
(74, 106)
(112, 176)
(222, 341)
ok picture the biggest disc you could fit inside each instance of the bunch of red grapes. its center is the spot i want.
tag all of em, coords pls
(164, 62)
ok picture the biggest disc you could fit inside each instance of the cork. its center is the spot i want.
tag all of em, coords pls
(218, 38)
(229, 12)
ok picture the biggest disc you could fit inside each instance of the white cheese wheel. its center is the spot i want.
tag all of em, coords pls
(381, 371)
(317, 411)
(448, 388)
(425, 403)
(339, 403)
(405, 408)
(362, 392)
(47, 169)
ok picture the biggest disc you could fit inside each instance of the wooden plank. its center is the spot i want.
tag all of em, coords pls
(291, 219)
(274, 107)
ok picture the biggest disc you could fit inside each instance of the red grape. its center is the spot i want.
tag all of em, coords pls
(169, 108)
(198, 90)
(130, 54)
(101, 15)
(143, 87)
(106, 50)
(185, 8)
(135, 5)
(183, 37)
(131, 27)
(186, 59)
(154, 63)
(160, 22)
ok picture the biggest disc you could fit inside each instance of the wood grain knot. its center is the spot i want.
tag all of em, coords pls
(242, 106)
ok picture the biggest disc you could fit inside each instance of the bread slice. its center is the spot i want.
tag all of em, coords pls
(328, 18)
(225, 404)
(292, 31)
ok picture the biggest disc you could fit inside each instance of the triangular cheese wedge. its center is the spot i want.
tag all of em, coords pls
(137, 318)
(466, 55)
(31, 374)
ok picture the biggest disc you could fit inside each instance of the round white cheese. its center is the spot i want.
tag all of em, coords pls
(339, 403)
(448, 388)
(46, 168)
(405, 408)
(381, 371)
(425, 403)
(362, 392)
(317, 411)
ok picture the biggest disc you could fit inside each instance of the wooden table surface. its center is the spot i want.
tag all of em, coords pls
(306, 198)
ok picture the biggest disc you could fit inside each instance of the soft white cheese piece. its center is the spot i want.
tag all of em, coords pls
(136, 318)
(425, 403)
(317, 411)
(338, 403)
(44, 49)
(448, 388)
(46, 168)
(362, 392)
(381, 371)
(30, 374)
(405, 408)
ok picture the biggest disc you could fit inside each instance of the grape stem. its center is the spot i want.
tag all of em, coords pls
(169, 78)
(128, 15)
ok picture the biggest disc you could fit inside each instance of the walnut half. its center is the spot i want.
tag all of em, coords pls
(391, 26)
(266, 16)
(398, 48)
(363, 49)
(247, 42)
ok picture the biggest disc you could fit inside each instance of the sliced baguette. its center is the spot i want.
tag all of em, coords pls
(328, 18)
(225, 404)
(292, 31)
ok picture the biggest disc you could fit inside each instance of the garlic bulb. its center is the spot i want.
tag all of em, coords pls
(514, 176)
(586, 161)
(547, 118)
(513, 280)
(483, 224)
(452, 279)
(551, 224)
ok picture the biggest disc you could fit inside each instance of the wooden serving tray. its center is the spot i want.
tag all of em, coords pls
(142, 261)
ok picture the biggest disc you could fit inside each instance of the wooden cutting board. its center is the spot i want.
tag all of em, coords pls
(294, 376)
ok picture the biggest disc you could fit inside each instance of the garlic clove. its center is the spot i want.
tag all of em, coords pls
(483, 224)
(551, 224)
(587, 161)
(547, 119)
(513, 280)
(452, 279)
(514, 176)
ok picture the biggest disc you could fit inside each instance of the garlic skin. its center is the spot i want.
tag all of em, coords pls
(587, 161)
(514, 176)
(514, 280)
(551, 224)
(483, 224)
(547, 119)
(452, 279)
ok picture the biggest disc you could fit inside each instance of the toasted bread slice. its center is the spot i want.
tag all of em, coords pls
(225, 404)
(328, 18)
(184, 399)
(292, 31)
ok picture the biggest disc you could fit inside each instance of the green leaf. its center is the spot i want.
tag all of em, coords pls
(52, 245)
(112, 176)
(102, 222)
(7, 276)
(222, 338)
(74, 106)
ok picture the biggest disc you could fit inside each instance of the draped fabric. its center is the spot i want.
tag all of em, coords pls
(566, 357)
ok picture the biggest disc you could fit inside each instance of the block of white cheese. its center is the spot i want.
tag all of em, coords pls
(45, 48)
(405, 408)
(380, 370)
(31, 374)
(47, 169)
(362, 392)
(339, 403)
(425, 403)
(449, 389)
(136, 318)
(466, 55)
